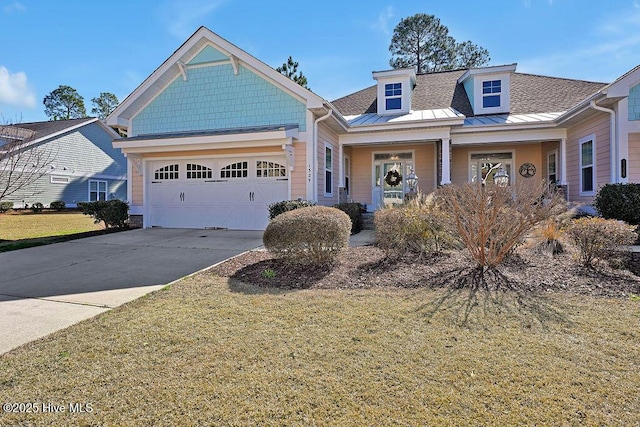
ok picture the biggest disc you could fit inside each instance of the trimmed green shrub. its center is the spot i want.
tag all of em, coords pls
(6, 206)
(354, 210)
(37, 207)
(114, 213)
(313, 235)
(58, 205)
(420, 226)
(278, 208)
(599, 238)
(619, 201)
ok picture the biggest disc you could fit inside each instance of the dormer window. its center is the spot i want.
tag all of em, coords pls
(488, 88)
(491, 91)
(393, 96)
(394, 91)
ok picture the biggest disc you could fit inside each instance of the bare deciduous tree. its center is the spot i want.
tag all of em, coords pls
(21, 163)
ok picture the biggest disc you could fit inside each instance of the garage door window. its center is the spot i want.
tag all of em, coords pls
(235, 170)
(270, 169)
(195, 171)
(167, 172)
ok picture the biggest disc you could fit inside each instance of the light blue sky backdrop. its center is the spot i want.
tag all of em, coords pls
(112, 46)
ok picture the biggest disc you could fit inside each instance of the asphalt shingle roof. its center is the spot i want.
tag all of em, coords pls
(529, 94)
(43, 129)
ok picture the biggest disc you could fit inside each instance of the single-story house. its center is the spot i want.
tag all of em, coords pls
(215, 136)
(70, 160)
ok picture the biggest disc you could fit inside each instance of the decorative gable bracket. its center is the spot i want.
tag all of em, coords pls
(289, 152)
(136, 161)
(234, 64)
(183, 70)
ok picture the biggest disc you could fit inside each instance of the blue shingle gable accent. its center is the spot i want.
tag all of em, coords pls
(208, 54)
(634, 103)
(215, 98)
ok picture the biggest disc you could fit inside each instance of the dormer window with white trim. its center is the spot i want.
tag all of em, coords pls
(488, 88)
(393, 96)
(491, 91)
(395, 88)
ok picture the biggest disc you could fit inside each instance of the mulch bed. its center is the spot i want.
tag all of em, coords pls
(368, 267)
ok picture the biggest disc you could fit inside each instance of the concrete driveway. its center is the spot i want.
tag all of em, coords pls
(48, 288)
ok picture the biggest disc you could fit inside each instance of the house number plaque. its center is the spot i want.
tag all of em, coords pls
(527, 170)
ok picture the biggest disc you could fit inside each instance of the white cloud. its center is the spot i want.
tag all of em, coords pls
(184, 17)
(14, 7)
(382, 22)
(15, 89)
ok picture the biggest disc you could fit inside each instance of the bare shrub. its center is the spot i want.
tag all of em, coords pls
(491, 221)
(420, 227)
(599, 238)
(310, 236)
(549, 234)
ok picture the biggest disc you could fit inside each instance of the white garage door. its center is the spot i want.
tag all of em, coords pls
(229, 193)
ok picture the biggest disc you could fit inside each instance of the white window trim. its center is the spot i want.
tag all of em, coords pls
(106, 189)
(389, 97)
(499, 94)
(347, 172)
(557, 163)
(328, 169)
(594, 180)
(512, 179)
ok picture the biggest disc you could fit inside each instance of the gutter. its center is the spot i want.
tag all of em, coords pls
(314, 163)
(613, 143)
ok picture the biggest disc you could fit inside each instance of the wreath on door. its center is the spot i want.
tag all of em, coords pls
(393, 178)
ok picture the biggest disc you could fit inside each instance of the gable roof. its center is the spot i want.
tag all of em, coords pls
(45, 129)
(175, 66)
(530, 94)
(41, 131)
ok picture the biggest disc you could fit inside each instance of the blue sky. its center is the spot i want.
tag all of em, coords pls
(112, 46)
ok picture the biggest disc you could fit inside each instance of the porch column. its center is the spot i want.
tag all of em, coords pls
(563, 161)
(446, 162)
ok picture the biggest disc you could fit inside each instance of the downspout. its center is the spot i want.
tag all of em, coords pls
(613, 144)
(314, 166)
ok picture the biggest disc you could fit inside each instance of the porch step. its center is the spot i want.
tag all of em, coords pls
(367, 221)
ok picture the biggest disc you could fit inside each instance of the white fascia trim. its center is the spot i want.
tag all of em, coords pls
(87, 175)
(579, 108)
(404, 136)
(504, 127)
(620, 87)
(418, 124)
(530, 135)
(510, 68)
(265, 139)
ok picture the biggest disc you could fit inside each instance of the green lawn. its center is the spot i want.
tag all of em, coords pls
(28, 225)
(211, 352)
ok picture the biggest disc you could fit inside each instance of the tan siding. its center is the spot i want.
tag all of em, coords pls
(634, 157)
(362, 173)
(523, 153)
(598, 126)
(137, 197)
(326, 135)
(298, 176)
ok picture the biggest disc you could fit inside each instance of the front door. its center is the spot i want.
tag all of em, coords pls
(389, 178)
